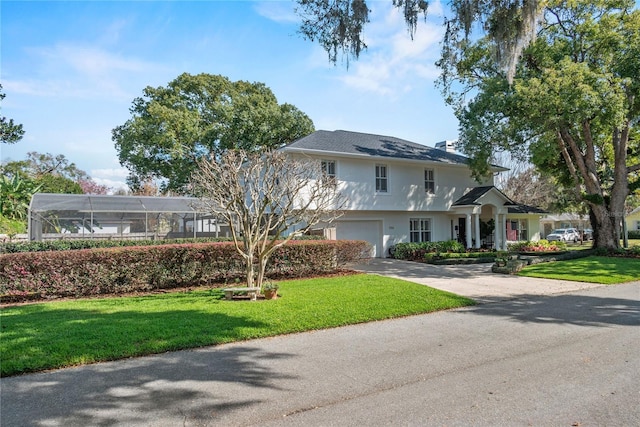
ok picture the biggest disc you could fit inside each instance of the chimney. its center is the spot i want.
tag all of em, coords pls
(448, 146)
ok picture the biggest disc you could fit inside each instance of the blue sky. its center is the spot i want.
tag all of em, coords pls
(71, 70)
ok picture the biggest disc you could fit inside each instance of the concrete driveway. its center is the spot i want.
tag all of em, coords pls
(475, 281)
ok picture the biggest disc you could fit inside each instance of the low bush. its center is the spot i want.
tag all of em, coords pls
(418, 251)
(75, 273)
(632, 252)
(456, 255)
(537, 246)
(65, 245)
(633, 234)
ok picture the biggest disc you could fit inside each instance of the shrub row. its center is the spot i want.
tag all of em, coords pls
(63, 245)
(541, 245)
(633, 234)
(417, 251)
(76, 273)
(462, 258)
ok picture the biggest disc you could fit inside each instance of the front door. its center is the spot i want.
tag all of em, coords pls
(462, 235)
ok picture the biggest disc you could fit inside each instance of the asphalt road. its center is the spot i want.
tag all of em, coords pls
(562, 360)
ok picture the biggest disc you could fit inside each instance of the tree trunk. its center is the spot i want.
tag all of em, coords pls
(604, 231)
(606, 208)
(249, 268)
(262, 266)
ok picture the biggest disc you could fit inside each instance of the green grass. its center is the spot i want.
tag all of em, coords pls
(66, 333)
(593, 269)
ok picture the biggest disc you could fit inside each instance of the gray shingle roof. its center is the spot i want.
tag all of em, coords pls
(525, 209)
(472, 196)
(356, 143)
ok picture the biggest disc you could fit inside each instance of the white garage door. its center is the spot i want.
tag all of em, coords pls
(361, 230)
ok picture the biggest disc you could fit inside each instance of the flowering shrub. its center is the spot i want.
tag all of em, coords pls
(538, 246)
(127, 269)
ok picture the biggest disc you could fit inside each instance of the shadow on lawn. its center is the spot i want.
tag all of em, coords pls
(184, 384)
(573, 309)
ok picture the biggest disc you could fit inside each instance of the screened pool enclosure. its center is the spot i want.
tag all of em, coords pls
(84, 216)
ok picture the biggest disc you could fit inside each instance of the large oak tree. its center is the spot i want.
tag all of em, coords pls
(572, 110)
(195, 116)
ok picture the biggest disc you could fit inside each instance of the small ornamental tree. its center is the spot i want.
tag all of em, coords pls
(263, 196)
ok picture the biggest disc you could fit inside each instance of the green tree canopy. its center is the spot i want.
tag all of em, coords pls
(10, 132)
(572, 110)
(39, 173)
(172, 127)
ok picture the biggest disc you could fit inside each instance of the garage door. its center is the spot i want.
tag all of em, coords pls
(361, 230)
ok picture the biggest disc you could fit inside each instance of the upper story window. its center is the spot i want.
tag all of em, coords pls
(329, 171)
(429, 181)
(382, 179)
(329, 168)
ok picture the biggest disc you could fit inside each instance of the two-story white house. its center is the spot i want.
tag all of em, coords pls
(399, 191)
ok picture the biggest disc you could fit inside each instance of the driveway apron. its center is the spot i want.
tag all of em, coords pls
(475, 281)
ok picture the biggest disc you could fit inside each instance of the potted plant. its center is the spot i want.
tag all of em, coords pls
(270, 290)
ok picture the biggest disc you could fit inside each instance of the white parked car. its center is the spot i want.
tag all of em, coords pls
(564, 234)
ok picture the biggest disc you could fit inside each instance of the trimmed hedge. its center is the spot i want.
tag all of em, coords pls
(76, 273)
(418, 251)
(65, 245)
(462, 258)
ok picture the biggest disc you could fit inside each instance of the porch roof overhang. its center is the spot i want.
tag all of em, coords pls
(473, 198)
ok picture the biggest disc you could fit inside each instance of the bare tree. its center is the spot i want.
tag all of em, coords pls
(263, 196)
(523, 184)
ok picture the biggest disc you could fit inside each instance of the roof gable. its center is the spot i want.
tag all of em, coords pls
(342, 142)
(473, 196)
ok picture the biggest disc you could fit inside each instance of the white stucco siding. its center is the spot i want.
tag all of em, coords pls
(406, 190)
(367, 230)
(385, 229)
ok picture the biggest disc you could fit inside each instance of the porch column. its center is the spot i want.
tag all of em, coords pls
(504, 231)
(496, 232)
(477, 230)
(468, 230)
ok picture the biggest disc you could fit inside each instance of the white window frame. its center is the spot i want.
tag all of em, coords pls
(382, 178)
(420, 230)
(326, 166)
(522, 228)
(430, 181)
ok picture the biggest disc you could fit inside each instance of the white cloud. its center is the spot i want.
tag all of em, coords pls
(278, 11)
(110, 173)
(394, 62)
(113, 178)
(112, 185)
(81, 71)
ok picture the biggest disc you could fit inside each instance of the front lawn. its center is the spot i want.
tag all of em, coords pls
(593, 269)
(48, 335)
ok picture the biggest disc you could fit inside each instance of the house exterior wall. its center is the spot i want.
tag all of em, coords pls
(406, 188)
(533, 227)
(633, 220)
(393, 227)
(384, 218)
